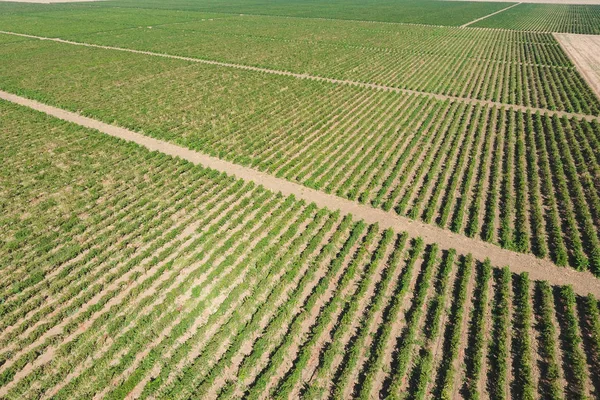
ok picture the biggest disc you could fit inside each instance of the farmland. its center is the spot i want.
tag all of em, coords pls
(461, 166)
(170, 308)
(548, 18)
(298, 199)
(510, 67)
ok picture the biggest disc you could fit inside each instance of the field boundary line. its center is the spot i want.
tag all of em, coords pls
(580, 63)
(437, 96)
(489, 15)
(538, 269)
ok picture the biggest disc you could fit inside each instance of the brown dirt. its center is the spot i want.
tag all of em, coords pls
(315, 78)
(584, 51)
(538, 269)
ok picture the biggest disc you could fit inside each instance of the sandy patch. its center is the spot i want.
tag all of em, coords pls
(584, 51)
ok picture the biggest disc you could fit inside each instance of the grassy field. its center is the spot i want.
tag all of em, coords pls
(132, 274)
(146, 274)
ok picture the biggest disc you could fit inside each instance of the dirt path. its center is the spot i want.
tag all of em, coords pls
(489, 15)
(584, 51)
(582, 282)
(316, 78)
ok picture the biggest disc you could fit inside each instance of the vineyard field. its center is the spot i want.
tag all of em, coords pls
(521, 68)
(565, 18)
(299, 199)
(525, 181)
(146, 284)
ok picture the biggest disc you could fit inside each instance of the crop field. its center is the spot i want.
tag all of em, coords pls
(518, 68)
(569, 18)
(477, 169)
(171, 256)
(203, 199)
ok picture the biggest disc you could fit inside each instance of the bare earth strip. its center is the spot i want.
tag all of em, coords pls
(582, 282)
(584, 51)
(316, 78)
(489, 15)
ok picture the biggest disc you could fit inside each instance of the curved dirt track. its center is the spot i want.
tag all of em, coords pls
(582, 282)
(316, 78)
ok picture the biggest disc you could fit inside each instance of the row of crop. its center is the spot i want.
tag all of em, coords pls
(102, 302)
(420, 154)
(488, 228)
(219, 275)
(506, 198)
(476, 340)
(521, 236)
(83, 268)
(523, 386)
(498, 351)
(236, 317)
(262, 343)
(429, 164)
(356, 271)
(293, 304)
(573, 356)
(424, 365)
(179, 328)
(384, 332)
(403, 347)
(547, 18)
(568, 174)
(452, 337)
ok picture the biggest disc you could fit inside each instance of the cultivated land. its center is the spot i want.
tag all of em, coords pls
(580, 2)
(460, 166)
(583, 19)
(414, 200)
(170, 255)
